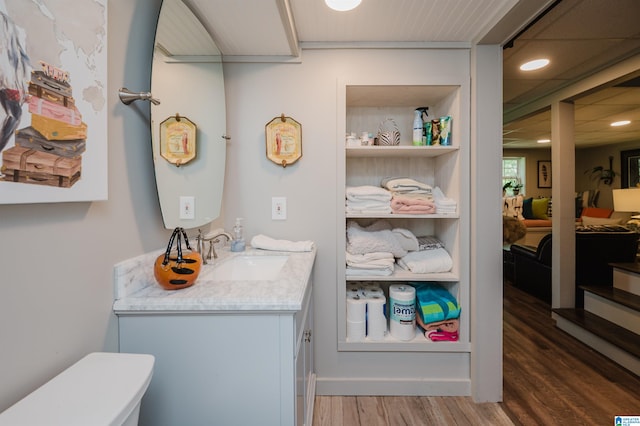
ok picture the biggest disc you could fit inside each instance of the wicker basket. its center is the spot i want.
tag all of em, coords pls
(388, 136)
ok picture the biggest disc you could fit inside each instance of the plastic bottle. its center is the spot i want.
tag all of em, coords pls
(237, 244)
(417, 127)
(424, 113)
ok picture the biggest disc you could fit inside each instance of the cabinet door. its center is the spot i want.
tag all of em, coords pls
(305, 375)
(209, 368)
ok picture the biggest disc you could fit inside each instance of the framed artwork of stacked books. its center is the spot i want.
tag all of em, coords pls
(53, 116)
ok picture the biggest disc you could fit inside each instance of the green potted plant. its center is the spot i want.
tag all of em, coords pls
(515, 187)
(601, 174)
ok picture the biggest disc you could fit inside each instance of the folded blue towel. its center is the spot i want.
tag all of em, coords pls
(435, 303)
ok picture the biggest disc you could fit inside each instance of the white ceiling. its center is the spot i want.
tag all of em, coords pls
(581, 37)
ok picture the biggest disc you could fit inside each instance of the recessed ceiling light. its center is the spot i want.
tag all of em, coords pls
(342, 5)
(620, 123)
(543, 140)
(536, 64)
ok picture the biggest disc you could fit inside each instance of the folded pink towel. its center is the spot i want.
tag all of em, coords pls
(410, 205)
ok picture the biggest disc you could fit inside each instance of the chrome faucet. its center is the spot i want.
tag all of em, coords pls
(212, 238)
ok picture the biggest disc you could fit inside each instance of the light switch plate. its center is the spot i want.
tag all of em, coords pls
(278, 208)
(187, 207)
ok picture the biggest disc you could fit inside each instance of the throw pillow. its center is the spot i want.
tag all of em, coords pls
(527, 208)
(512, 206)
(539, 207)
(596, 212)
(588, 221)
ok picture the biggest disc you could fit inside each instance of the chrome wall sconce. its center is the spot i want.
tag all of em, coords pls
(127, 96)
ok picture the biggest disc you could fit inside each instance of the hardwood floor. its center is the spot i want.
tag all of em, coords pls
(549, 379)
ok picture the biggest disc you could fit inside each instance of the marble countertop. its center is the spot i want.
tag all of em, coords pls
(136, 290)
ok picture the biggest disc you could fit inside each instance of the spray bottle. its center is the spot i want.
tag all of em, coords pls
(424, 116)
(417, 127)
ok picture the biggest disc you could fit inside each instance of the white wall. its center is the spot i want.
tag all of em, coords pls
(256, 93)
(57, 259)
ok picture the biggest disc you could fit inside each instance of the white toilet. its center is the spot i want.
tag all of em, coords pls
(100, 389)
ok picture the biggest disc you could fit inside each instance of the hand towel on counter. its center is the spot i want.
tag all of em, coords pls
(427, 261)
(263, 242)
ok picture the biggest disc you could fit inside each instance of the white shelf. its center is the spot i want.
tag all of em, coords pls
(418, 344)
(399, 151)
(400, 274)
(403, 216)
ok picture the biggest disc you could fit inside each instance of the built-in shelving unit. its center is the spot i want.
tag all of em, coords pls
(446, 167)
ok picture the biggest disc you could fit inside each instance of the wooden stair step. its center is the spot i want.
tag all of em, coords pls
(606, 330)
(621, 297)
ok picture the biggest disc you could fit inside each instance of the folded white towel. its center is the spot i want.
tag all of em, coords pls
(367, 192)
(376, 260)
(403, 184)
(369, 212)
(350, 271)
(263, 242)
(369, 205)
(362, 240)
(427, 261)
(406, 238)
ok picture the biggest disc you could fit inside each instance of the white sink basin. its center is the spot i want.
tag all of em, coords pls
(249, 268)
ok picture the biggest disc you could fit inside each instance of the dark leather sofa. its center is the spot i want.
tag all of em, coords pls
(596, 247)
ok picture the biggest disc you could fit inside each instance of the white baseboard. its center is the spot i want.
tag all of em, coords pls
(393, 387)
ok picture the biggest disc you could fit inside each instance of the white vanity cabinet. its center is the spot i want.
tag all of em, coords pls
(228, 352)
(219, 368)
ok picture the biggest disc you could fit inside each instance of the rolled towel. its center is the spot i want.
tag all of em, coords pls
(263, 242)
(434, 303)
(406, 238)
(427, 261)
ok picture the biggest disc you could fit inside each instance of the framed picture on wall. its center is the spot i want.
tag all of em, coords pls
(630, 161)
(544, 174)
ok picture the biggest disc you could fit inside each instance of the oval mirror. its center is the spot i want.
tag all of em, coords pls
(188, 126)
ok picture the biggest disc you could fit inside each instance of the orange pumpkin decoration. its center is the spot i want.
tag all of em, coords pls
(174, 269)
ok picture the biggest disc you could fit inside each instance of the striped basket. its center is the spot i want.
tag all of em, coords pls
(386, 136)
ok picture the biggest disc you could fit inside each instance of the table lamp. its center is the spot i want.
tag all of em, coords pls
(628, 200)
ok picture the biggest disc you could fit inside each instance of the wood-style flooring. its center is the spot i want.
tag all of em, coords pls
(549, 379)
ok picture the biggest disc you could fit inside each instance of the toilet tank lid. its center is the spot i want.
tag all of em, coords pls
(100, 389)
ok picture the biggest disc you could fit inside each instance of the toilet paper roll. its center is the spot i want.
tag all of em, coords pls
(353, 287)
(376, 320)
(402, 311)
(356, 331)
(356, 308)
(372, 292)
